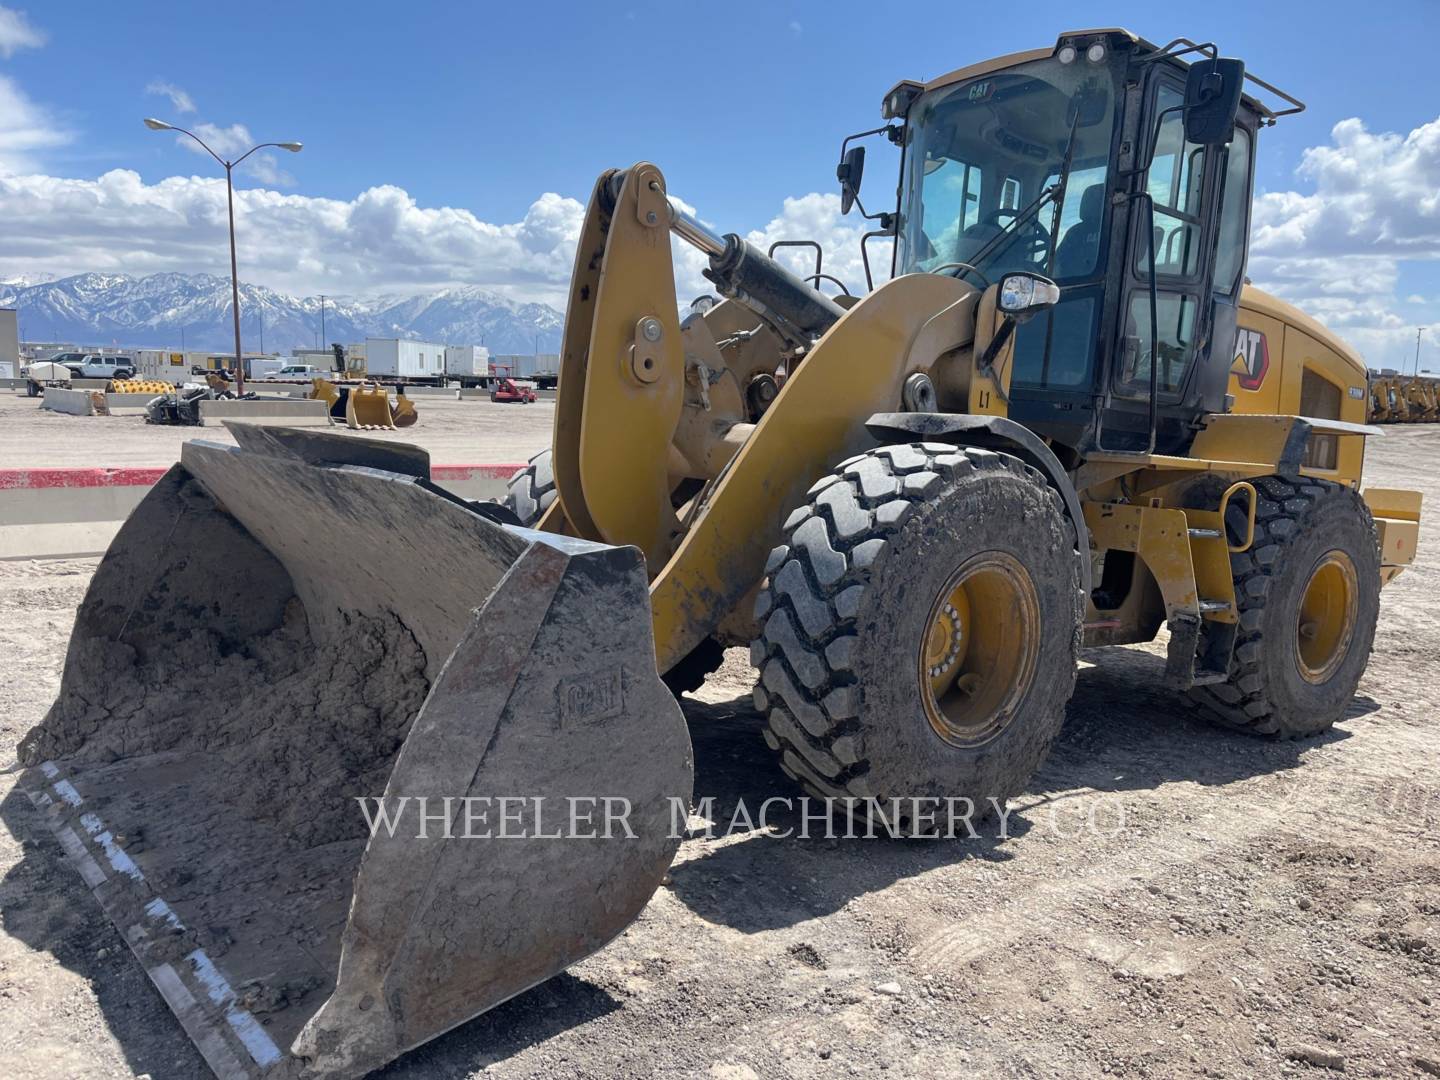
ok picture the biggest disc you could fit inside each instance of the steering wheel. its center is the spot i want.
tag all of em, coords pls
(1032, 241)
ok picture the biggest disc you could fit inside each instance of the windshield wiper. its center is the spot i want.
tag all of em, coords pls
(1054, 193)
(1020, 218)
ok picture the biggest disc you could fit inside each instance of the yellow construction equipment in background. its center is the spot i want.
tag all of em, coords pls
(141, 386)
(1063, 421)
(366, 405)
(1404, 399)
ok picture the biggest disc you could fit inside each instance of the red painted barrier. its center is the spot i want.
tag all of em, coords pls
(15, 479)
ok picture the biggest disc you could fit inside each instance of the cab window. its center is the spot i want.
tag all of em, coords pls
(1176, 327)
(1082, 212)
(1234, 214)
(952, 191)
(1175, 181)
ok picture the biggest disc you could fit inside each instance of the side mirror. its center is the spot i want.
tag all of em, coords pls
(850, 172)
(1212, 97)
(1023, 295)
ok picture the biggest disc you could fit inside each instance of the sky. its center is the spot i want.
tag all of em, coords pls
(456, 143)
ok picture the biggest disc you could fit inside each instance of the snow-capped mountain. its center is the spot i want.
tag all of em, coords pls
(157, 311)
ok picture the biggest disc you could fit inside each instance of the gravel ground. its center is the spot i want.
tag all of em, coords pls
(1236, 907)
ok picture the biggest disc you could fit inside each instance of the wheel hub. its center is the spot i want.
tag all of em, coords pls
(1325, 625)
(977, 657)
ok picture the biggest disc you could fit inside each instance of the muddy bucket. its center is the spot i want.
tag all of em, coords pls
(289, 627)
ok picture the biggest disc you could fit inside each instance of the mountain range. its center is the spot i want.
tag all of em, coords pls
(172, 311)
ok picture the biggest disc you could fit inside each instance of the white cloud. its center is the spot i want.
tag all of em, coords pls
(266, 169)
(381, 240)
(16, 33)
(1338, 252)
(25, 129)
(377, 241)
(1342, 251)
(180, 101)
(230, 142)
(225, 141)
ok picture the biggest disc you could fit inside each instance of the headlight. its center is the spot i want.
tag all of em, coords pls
(1023, 294)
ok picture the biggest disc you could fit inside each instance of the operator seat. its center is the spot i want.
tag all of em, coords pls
(1076, 253)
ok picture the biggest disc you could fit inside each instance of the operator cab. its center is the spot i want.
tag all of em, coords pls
(1037, 162)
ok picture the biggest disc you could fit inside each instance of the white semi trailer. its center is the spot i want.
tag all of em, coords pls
(469, 365)
(405, 360)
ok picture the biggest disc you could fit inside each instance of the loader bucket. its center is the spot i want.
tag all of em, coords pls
(368, 406)
(404, 412)
(326, 391)
(234, 684)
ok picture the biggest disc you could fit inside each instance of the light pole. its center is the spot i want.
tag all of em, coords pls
(294, 148)
(1418, 332)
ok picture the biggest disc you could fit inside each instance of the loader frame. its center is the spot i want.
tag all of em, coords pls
(704, 499)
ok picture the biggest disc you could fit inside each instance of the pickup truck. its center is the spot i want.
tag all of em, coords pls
(95, 366)
(296, 373)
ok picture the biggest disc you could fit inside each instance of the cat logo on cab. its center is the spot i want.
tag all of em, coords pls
(1252, 358)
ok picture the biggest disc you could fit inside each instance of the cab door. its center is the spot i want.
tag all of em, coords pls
(1181, 180)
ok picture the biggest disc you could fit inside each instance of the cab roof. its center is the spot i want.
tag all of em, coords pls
(1081, 38)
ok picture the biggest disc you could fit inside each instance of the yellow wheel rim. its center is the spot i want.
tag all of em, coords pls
(1326, 623)
(977, 656)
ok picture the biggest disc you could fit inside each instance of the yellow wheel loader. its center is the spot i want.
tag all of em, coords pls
(1063, 421)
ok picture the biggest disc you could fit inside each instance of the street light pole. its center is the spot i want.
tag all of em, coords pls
(229, 167)
(1418, 332)
(234, 280)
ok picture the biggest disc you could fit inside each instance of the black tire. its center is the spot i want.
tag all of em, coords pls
(32, 388)
(531, 492)
(690, 673)
(846, 603)
(1298, 524)
(532, 489)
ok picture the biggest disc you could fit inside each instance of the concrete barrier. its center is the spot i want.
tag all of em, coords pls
(89, 384)
(63, 513)
(474, 481)
(427, 391)
(73, 402)
(128, 404)
(287, 412)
